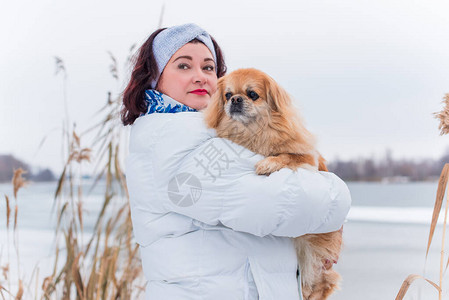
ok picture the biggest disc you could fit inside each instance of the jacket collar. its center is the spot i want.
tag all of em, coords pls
(161, 103)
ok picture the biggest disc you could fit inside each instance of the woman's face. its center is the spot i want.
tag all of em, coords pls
(190, 76)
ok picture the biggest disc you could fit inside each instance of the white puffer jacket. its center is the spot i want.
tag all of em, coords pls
(208, 227)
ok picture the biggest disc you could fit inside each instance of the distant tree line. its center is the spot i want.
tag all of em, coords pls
(369, 169)
(361, 169)
(9, 163)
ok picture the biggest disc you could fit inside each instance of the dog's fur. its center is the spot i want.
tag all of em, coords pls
(251, 109)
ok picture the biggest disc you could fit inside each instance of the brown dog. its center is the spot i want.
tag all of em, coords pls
(251, 109)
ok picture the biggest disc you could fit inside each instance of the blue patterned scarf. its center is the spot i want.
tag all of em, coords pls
(161, 103)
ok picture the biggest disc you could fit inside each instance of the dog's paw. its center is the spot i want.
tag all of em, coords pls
(268, 165)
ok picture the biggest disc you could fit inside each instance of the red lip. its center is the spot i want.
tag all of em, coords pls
(199, 92)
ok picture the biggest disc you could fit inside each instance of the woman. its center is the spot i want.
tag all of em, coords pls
(207, 226)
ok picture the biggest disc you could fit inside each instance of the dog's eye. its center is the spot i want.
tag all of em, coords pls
(228, 95)
(253, 95)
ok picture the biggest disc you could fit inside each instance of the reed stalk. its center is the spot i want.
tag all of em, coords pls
(436, 212)
(18, 182)
(443, 117)
(442, 249)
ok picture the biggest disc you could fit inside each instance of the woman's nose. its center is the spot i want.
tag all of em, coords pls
(199, 76)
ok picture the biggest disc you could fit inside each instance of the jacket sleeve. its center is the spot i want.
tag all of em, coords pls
(177, 165)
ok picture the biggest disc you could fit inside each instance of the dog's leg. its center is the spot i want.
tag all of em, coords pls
(312, 249)
(272, 164)
(327, 285)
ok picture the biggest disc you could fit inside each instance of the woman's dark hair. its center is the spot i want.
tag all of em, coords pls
(144, 72)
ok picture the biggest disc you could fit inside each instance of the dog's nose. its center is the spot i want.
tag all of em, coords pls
(237, 99)
(236, 104)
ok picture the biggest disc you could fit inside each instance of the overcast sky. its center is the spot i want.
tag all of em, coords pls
(366, 75)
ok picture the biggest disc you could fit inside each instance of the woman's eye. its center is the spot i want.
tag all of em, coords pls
(209, 68)
(183, 66)
(228, 95)
(253, 95)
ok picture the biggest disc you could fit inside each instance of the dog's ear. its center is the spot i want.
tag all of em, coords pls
(214, 112)
(278, 98)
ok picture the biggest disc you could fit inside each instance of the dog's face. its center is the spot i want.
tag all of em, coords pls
(246, 96)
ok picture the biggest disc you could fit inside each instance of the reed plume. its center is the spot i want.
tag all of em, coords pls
(18, 181)
(443, 116)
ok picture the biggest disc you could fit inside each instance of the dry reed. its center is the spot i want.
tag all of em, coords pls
(19, 294)
(107, 265)
(443, 116)
(18, 182)
(8, 211)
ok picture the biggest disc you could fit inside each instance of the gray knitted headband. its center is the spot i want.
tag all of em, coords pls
(170, 40)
